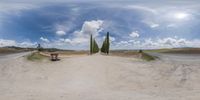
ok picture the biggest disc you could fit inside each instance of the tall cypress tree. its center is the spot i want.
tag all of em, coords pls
(103, 47)
(107, 43)
(91, 44)
(95, 47)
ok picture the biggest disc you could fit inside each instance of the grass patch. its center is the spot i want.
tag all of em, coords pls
(36, 57)
(148, 57)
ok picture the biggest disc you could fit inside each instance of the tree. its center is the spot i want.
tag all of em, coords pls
(95, 47)
(106, 44)
(91, 44)
(39, 47)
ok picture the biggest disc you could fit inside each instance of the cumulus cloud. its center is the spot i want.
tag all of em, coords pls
(123, 43)
(27, 44)
(44, 39)
(168, 42)
(112, 39)
(60, 33)
(134, 34)
(90, 27)
(80, 38)
(5, 42)
(148, 43)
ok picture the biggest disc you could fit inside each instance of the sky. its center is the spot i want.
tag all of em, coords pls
(132, 24)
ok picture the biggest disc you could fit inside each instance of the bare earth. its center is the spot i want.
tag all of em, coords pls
(98, 77)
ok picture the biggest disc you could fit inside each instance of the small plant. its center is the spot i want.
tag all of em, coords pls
(140, 51)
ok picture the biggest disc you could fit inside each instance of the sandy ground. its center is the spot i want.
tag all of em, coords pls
(98, 77)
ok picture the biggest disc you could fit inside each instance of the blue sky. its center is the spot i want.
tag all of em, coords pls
(133, 24)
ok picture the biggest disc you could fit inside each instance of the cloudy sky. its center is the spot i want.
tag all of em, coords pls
(133, 24)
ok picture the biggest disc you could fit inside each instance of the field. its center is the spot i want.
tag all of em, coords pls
(10, 50)
(177, 51)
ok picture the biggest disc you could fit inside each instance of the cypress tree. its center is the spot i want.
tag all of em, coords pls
(107, 43)
(39, 47)
(91, 44)
(95, 47)
(103, 47)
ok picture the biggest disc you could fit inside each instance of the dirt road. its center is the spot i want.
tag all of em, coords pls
(14, 56)
(99, 77)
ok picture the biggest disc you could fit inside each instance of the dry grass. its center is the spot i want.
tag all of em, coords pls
(67, 53)
(10, 50)
(148, 57)
(184, 51)
(36, 57)
(177, 50)
(133, 53)
(125, 53)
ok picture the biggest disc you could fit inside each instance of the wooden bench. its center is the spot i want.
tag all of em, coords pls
(54, 57)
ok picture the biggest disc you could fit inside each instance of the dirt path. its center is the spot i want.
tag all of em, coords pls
(14, 56)
(98, 77)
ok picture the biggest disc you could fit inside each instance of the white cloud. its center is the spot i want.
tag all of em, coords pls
(80, 38)
(134, 34)
(27, 44)
(154, 25)
(151, 23)
(168, 42)
(44, 39)
(123, 44)
(90, 27)
(5, 42)
(60, 33)
(112, 39)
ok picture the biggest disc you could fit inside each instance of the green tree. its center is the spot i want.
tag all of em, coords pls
(95, 47)
(106, 44)
(91, 44)
(39, 47)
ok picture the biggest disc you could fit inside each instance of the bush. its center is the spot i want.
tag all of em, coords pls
(148, 57)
